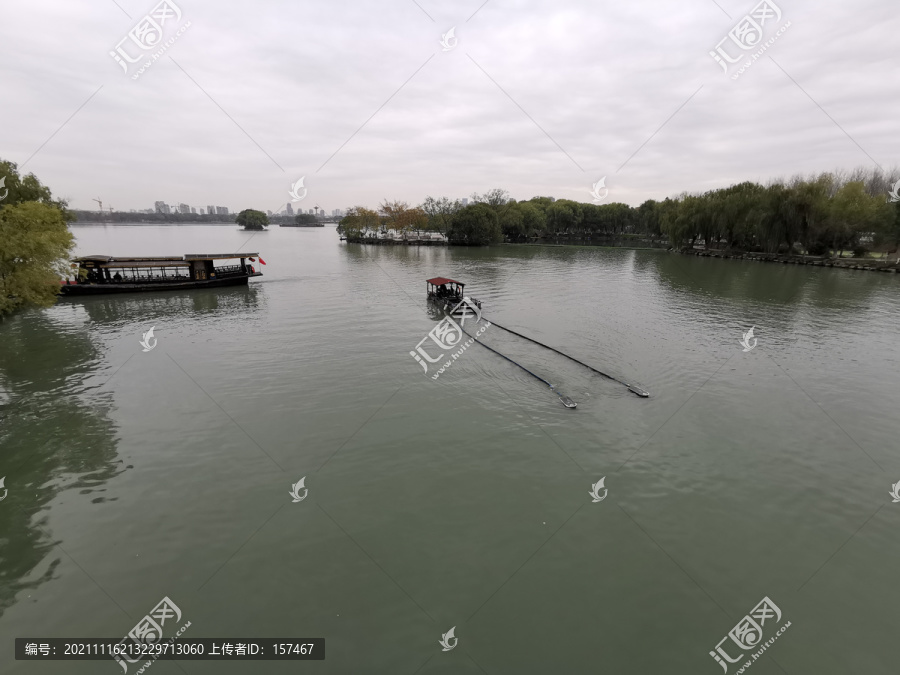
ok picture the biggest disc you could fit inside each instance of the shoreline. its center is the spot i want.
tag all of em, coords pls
(440, 242)
(627, 248)
(813, 261)
(867, 265)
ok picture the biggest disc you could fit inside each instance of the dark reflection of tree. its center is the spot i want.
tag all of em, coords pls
(436, 312)
(52, 426)
(765, 283)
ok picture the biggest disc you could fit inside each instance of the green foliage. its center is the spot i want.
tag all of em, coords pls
(476, 225)
(892, 231)
(806, 208)
(21, 189)
(564, 216)
(251, 219)
(534, 220)
(35, 245)
(648, 217)
(305, 219)
(512, 222)
(853, 212)
(541, 202)
(35, 242)
(816, 215)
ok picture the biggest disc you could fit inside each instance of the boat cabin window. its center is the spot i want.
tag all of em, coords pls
(448, 291)
(136, 274)
(125, 271)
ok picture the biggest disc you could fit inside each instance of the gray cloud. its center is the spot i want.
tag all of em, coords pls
(268, 92)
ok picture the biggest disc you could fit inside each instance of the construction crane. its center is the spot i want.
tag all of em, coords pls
(100, 203)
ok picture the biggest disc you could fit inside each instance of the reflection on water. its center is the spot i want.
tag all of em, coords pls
(731, 466)
(435, 312)
(131, 307)
(769, 283)
(49, 386)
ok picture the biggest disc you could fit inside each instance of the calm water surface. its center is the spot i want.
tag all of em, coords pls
(464, 501)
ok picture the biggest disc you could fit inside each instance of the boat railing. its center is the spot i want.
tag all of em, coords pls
(134, 278)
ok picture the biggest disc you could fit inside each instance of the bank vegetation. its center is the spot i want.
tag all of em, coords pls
(825, 214)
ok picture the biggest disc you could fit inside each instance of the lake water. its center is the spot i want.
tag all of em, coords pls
(463, 501)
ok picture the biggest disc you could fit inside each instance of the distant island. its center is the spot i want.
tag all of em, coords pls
(827, 215)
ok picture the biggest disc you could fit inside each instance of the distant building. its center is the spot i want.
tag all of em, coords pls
(290, 209)
(202, 211)
(221, 210)
(211, 210)
(184, 208)
(268, 213)
(161, 207)
(465, 201)
(311, 212)
(193, 210)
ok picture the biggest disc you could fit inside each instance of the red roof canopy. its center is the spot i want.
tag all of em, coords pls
(440, 281)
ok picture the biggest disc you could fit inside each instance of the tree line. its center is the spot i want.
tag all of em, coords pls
(827, 212)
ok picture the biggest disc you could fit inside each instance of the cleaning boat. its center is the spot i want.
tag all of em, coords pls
(447, 294)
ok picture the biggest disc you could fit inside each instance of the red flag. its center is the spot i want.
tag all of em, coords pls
(261, 260)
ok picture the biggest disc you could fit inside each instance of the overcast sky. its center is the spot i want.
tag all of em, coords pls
(361, 98)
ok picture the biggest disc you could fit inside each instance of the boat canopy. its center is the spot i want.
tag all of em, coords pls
(159, 261)
(440, 281)
(218, 256)
(443, 288)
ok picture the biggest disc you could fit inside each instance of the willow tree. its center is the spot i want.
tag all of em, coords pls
(733, 205)
(564, 216)
(534, 220)
(806, 208)
(854, 212)
(35, 242)
(476, 225)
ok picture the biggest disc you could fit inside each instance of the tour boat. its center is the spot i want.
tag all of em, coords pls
(447, 293)
(104, 274)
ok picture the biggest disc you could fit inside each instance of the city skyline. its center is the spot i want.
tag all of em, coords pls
(162, 207)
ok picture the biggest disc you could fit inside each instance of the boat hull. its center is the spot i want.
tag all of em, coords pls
(448, 303)
(104, 289)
